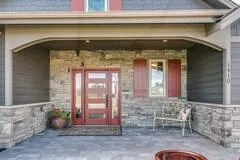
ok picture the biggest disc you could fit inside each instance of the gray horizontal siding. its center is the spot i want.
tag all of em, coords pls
(205, 75)
(235, 64)
(31, 76)
(64, 5)
(34, 5)
(2, 66)
(164, 4)
(236, 28)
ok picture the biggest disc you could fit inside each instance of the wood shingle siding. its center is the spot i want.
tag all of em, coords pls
(34, 5)
(235, 81)
(164, 4)
(2, 66)
(31, 76)
(205, 75)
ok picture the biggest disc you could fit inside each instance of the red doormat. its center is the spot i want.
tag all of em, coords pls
(92, 131)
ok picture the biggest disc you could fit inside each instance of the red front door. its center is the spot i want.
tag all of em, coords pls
(96, 97)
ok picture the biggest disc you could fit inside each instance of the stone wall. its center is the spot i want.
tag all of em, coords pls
(220, 123)
(135, 111)
(20, 122)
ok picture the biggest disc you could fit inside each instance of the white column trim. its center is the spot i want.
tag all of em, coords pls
(227, 70)
(8, 77)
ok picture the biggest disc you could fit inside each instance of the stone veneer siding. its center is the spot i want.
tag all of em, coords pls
(18, 123)
(218, 122)
(135, 111)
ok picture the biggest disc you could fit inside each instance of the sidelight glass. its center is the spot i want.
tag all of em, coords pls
(115, 95)
(157, 78)
(78, 95)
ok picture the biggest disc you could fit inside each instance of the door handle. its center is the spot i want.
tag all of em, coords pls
(106, 101)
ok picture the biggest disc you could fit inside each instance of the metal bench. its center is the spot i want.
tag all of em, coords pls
(178, 112)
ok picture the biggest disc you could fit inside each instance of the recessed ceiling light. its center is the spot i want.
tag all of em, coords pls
(165, 41)
(87, 41)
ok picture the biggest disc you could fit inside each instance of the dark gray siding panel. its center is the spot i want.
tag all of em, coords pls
(31, 76)
(205, 75)
(164, 4)
(236, 28)
(34, 5)
(235, 61)
(2, 66)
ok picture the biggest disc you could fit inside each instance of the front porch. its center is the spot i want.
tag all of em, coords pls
(135, 144)
(189, 67)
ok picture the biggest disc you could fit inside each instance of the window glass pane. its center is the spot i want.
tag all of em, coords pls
(157, 78)
(78, 80)
(114, 95)
(96, 5)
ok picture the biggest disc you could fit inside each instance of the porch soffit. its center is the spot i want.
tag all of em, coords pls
(33, 34)
(166, 16)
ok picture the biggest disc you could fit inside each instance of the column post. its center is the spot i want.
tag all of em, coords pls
(227, 70)
(8, 77)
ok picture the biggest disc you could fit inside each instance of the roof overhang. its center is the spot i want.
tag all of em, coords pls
(166, 16)
(225, 21)
(228, 3)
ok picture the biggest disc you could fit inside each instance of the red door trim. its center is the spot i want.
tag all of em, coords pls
(82, 121)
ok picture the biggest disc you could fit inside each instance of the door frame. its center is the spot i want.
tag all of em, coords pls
(82, 120)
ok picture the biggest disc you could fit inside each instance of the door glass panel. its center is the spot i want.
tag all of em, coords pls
(96, 96)
(96, 85)
(115, 96)
(96, 116)
(96, 106)
(96, 75)
(78, 98)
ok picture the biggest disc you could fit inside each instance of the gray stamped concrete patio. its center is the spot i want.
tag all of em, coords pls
(135, 144)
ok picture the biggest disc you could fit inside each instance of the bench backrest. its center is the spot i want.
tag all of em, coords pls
(178, 109)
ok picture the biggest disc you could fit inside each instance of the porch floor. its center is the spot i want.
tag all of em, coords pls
(135, 144)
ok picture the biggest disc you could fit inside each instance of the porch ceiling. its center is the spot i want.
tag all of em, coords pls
(116, 44)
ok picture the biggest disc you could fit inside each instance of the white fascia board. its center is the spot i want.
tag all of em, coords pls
(228, 3)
